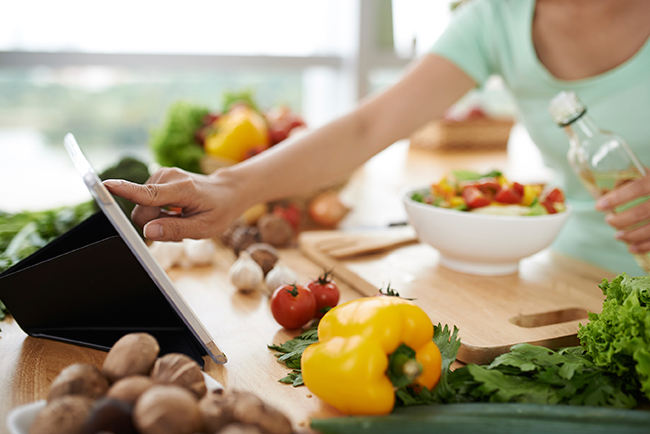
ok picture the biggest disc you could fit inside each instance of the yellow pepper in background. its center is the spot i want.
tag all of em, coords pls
(365, 346)
(238, 132)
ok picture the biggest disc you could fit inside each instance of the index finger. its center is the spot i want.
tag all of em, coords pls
(148, 195)
(624, 194)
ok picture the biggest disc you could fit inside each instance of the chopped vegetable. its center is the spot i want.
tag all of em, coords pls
(489, 193)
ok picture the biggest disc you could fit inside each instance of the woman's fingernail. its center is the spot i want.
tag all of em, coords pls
(633, 249)
(619, 235)
(602, 204)
(113, 183)
(153, 231)
(609, 218)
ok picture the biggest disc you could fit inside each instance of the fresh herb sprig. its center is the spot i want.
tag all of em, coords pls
(290, 352)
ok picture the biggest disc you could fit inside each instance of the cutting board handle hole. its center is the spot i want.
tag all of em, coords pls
(549, 318)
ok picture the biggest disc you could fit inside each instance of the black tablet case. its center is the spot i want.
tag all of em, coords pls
(86, 287)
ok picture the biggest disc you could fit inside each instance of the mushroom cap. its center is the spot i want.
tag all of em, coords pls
(132, 354)
(79, 379)
(167, 409)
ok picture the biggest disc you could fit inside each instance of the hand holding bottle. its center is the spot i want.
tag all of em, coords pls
(632, 223)
(610, 171)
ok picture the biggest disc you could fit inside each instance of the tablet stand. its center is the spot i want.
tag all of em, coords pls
(87, 288)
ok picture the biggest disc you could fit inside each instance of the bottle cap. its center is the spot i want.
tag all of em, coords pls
(566, 107)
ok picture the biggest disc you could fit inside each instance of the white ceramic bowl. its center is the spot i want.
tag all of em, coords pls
(481, 244)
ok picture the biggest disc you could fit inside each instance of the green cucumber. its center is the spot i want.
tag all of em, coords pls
(488, 418)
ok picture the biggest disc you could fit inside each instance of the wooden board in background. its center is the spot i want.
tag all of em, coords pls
(542, 304)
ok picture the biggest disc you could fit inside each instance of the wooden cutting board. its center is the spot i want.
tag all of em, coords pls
(542, 304)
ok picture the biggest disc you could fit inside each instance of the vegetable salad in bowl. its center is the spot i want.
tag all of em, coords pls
(492, 193)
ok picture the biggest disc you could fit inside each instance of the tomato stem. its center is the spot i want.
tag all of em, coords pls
(294, 291)
(325, 278)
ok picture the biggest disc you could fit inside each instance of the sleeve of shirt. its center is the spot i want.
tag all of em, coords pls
(465, 41)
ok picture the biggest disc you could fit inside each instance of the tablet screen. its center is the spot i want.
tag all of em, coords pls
(139, 249)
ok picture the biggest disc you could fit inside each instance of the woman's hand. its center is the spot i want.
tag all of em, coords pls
(208, 203)
(633, 224)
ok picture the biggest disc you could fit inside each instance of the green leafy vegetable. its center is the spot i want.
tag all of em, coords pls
(469, 175)
(527, 374)
(174, 143)
(232, 98)
(418, 197)
(290, 352)
(618, 338)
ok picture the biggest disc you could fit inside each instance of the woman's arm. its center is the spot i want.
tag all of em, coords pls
(211, 203)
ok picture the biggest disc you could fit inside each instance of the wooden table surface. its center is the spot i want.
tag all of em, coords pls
(242, 324)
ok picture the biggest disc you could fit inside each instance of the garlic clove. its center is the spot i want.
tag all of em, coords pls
(168, 254)
(245, 273)
(199, 252)
(280, 275)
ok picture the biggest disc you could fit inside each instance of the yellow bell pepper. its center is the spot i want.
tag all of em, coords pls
(531, 192)
(237, 133)
(367, 345)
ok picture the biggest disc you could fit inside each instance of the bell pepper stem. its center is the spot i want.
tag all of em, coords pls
(403, 368)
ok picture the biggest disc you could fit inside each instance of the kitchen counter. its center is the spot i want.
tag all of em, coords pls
(242, 324)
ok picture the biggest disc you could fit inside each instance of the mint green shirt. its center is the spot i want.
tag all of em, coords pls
(489, 37)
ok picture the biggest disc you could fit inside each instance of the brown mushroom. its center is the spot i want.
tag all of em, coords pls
(180, 370)
(79, 379)
(66, 414)
(215, 411)
(264, 254)
(274, 230)
(240, 428)
(167, 409)
(249, 409)
(110, 415)
(242, 237)
(129, 389)
(132, 354)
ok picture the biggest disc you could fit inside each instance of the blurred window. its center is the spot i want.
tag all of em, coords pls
(107, 71)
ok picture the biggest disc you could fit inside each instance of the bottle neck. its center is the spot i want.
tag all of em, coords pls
(582, 128)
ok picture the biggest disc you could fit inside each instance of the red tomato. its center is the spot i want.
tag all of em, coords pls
(291, 213)
(508, 194)
(555, 195)
(474, 198)
(549, 207)
(488, 186)
(518, 188)
(293, 306)
(326, 293)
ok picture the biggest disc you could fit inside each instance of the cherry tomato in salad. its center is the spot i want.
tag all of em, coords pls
(549, 207)
(555, 195)
(507, 194)
(474, 198)
(326, 293)
(293, 306)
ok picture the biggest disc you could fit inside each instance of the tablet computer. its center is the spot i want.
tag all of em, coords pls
(140, 251)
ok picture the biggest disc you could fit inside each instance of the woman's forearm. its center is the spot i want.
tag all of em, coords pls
(332, 152)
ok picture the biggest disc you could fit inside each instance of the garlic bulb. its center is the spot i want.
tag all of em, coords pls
(280, 275)
(167, 253)
(245, 273)
(199, 252)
